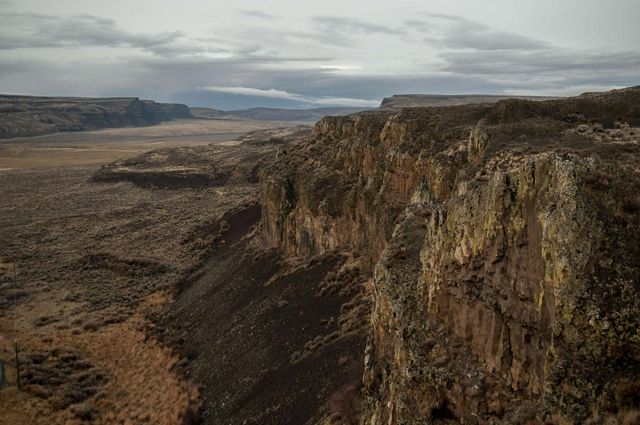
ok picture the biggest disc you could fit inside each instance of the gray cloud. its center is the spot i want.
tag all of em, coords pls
(338, 32)
(551, 61)
(32, 30)
(282, 94)
(176, 79)
(475, 51)
(243, 82)
(259, 14)
(348, 25)
(460, 33)
(266, 60)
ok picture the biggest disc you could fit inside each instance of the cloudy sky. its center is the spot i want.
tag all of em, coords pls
(282, 53)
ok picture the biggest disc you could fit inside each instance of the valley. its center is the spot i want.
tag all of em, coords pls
(474, 263)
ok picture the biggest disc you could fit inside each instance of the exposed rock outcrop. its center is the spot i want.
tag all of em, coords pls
(502, 241)
(22, 116)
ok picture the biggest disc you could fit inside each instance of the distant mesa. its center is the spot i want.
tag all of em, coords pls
(208, 113)
(315, 114)
(24, 116)
(426, 100)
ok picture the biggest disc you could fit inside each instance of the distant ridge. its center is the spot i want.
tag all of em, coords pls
(276, 114)
(23, 116)
(315, 114)
(419, 100)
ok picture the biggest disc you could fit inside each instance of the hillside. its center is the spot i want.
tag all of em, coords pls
(316, 114)
(22, 116)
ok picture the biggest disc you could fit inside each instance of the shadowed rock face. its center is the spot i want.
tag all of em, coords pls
(502, 243)
(22, 116)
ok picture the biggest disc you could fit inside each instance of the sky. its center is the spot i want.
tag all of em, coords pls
(299, 54)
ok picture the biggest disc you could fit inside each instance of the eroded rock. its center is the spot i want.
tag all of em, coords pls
(502, 241)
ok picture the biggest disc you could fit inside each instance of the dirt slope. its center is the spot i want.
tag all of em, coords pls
(268, 345)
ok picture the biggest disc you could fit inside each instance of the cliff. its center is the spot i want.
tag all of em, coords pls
(501, 241)
(431, 100)
(23, 116)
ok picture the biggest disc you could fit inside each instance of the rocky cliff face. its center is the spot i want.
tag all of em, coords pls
(22, 116)
(502, 241)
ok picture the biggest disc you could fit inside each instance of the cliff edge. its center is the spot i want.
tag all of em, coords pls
(501, 241)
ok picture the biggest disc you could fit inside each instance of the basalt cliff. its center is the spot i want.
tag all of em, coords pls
(501, 248)
(23, 116)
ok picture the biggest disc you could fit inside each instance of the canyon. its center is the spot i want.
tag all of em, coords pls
(474, 263)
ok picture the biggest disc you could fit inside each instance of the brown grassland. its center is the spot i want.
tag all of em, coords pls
(94, 260)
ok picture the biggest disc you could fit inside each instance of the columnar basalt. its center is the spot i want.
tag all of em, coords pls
(502, 241)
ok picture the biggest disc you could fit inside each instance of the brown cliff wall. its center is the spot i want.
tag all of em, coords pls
(504, 240)
(345, 186)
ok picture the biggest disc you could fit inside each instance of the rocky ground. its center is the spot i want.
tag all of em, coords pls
(270, 341)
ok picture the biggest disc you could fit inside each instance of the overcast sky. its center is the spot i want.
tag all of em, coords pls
(281, 53)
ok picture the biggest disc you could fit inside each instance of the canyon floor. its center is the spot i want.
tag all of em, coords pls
(103, 146)
(136, 286)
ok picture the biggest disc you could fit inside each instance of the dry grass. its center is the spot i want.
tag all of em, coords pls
(103, 146)
(93, 259)
(112, 375)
